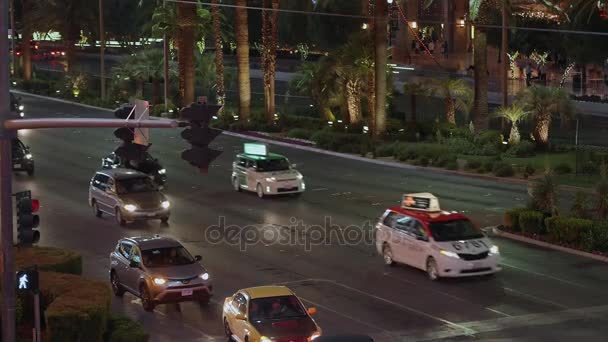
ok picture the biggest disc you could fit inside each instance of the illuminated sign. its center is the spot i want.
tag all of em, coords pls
(420, 201)
(27, 280)
(256, 149)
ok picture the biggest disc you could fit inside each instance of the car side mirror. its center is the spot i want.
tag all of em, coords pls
(312, 311)
(198, 258)
(240, 317)
(133, 264)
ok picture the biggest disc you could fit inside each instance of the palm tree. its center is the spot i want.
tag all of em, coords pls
(318, 80)
(543, 194)
(269, 54)
(242, 57)
(514, 114)
(380, 91)
(543, 103)
(414, 89)
(456, 94)
(27, 26)
(220, 89)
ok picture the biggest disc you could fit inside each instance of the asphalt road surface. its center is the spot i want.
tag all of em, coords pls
(539, 295)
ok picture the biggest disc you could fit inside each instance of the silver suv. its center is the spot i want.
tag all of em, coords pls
(128, 195)
(158, 270)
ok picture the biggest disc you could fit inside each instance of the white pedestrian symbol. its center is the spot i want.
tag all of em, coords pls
(23, 282)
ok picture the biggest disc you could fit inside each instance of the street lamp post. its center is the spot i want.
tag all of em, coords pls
(102, 48)
(166, 66)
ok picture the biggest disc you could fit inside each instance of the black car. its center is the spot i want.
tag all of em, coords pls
(149, 165)
(16, 107)
(22, 158)
(344, 338)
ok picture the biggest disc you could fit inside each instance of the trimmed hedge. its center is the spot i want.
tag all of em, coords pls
(123, 329)
(596, 239)
(511, 218)
(502, 169)
(341, 142)
(569, 230)
(532, 222)
(523, 149)
(49, 259)
(300, 133)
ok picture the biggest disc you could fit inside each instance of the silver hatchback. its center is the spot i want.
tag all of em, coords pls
(158, 270)
(128, 195)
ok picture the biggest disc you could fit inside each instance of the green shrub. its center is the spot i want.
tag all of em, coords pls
(385, 150)
(569, 230)
(299, 133)
(531, 222)
(445, 159)
(473, 164)
(432, 152)
(529, 169)
(511, 218)
(452, 165)
(124, 329)
(596, 239)
(489, 137)
(49, 259)
(423, 161)
(590, 168)
(343, 142)
(461, 145)
(288, 122)
(502, 169)
(523, 149)
(562, 168)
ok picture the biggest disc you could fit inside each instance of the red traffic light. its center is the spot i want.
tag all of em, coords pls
(35, 205)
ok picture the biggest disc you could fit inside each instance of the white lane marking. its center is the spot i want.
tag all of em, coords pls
(319, 189)
(538, 299)
(543, 275)
(510, 323)
(465, 330)
(447, 295)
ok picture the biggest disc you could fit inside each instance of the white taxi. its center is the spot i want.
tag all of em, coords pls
(444, 244)
(265, 173)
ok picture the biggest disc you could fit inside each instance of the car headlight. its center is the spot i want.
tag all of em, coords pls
(130, 207)
(22, 114)
(28, 156)
(265, 339)
(494, 250)
(21, 107)
(162, 171)
(300, 176)
(314, 335)
(159, 281)
(449, 254)
(165, 204)
(271, 179)
(205, 276)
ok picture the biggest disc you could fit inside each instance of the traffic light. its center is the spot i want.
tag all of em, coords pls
(128, 150)
(26, 219)
(199, 135)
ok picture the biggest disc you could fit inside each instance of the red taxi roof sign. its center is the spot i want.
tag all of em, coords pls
(423, 201)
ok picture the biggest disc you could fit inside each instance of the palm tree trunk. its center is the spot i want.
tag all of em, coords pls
(185, 55)
(269, 43)
(27, 54)
(72, 34)
(450, 110)
(220, 89)
(541, 129)
(514, 136)
(353, 102)
(480, 102)
(242, 57)
(380, 88)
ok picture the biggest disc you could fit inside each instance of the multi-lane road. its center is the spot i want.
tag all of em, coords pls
(539, 295)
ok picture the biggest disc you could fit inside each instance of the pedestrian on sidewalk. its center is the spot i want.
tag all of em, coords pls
(431, 47)
(528, 74)
(445, 48)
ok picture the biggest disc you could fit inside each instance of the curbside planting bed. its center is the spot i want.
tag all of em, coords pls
(75, 308)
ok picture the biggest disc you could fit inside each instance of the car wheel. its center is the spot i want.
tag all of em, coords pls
(164, 219)
(227, 330)
(96, 210)
(235, 184)
(119, 219)
(116, 287)
(431, 269)
(30, 172)
(146, 299)
(387, 255)
(260, 191)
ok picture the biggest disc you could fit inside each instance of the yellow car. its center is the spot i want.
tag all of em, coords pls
(268, 314)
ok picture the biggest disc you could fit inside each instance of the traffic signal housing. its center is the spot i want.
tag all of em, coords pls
(128, 150)
(200, 135)
(27, 220)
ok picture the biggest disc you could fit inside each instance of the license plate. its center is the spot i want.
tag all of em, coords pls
(17, 166)
(186, 293)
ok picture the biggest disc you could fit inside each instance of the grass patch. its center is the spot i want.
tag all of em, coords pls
(542, 161)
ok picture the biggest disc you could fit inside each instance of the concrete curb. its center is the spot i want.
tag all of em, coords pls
(61, 100)
(544, 244)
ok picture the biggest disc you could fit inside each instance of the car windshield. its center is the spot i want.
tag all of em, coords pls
(275, 308)
(169, 256)
(454, 230)
(137, 184)
(273, 165)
